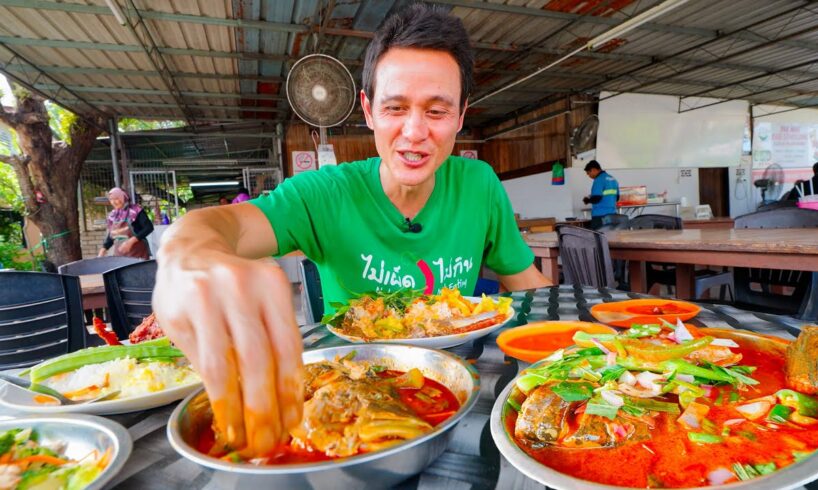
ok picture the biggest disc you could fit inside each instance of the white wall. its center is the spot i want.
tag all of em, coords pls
(535, 197)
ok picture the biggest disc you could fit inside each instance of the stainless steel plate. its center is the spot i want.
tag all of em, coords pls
(790, 477)
(81, 434)
(374, 470)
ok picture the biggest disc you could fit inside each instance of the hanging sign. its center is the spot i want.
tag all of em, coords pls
(469, 154)
(304, 161)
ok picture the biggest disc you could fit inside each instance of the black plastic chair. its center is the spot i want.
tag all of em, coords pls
(586, 258)
(311, 293)
(128, 290)
(775, 290)
(96, 265)
(665, 274)
(779, 218)
(40, 317)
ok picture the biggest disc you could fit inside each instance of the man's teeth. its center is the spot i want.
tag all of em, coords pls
(412, 157)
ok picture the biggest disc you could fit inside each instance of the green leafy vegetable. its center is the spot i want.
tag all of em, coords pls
(611, 373)
(598, 406)
(750, 471)
(704, 438)
(573, 391)
(801, 455)
(805, 405)
(646, 330)
(652, 405)
(513, 404)
(779, 414)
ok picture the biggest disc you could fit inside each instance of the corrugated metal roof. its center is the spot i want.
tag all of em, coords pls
(227, 59)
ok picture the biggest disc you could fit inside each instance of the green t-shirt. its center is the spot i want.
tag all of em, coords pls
(342, 220)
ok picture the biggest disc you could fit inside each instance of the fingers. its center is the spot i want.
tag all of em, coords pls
(282, 328)
(257, 362)
(217, 363)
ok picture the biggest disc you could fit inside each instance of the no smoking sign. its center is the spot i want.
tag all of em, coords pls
(303, 161)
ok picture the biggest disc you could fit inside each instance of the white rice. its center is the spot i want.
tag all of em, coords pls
(131, 377)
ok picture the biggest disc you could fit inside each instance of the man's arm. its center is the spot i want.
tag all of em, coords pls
(239, 229)
(530, 278)
(234, 320)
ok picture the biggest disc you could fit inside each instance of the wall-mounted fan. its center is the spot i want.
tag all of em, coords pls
(321, 92)
(770, 183)
(584, 137)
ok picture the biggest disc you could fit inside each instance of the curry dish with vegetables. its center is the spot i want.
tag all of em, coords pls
(670, 406)
(352, 408)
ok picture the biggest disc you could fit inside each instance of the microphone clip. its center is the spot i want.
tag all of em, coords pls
(413, 227)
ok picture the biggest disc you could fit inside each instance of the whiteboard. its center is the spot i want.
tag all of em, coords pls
(647, 131)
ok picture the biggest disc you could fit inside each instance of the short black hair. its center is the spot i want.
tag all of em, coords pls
(592, 164)
(422, 26)
(815, 168)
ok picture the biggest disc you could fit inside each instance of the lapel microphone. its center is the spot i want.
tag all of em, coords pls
(412, 227)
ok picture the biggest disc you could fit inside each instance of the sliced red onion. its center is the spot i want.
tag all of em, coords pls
(672, 336)
(733, 422)
(682, 333)
(754, 410)
(612, 398)
(687, 378)
(689, 419)
(620, 430)
(601, 347)
(648, 380)
(708, 390)
(610, 358)
(724, 343)
(628, 378)
(719, 476)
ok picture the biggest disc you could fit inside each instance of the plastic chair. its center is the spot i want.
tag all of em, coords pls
(586, 258)
(40, 317)
(775, 290)
(779, 218)
(128, 290)
(312, 296)
(96, 265)
(665, 274)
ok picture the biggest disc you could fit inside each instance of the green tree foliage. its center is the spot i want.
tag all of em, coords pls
(130, 124)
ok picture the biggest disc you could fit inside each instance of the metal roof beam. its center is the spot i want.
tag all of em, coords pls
(753, 94)
(149, 92)
(171, 106)
(199, 135)
(139, 29)
(156, 15)
(75, 70)
(749, 79)
(55, 43)
(52, 96)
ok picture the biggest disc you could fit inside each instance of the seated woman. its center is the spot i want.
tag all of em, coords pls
(128, 226)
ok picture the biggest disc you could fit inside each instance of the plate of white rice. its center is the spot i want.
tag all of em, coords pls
(142, 385)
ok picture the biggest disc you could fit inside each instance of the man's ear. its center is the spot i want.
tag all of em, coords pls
(462, 115)
(367, 107)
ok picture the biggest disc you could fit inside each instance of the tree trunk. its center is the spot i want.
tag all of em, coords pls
(49, 173)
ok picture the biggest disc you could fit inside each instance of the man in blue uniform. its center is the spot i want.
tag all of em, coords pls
(604, 193)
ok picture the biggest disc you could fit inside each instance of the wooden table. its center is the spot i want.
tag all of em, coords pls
(546, 250)
(722, 222)
(536, 225)
(93, 292)
(795, 249)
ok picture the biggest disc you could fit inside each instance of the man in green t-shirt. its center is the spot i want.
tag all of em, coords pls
(416, 217)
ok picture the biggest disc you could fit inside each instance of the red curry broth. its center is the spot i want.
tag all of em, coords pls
(433, 403)
(662, 309)
(670, 459)
(544, 341)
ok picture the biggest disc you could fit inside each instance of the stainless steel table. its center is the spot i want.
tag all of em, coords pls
(472, 460)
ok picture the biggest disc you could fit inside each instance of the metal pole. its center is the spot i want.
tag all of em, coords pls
(112, 130)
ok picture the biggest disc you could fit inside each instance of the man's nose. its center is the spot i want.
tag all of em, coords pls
(415, 127)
